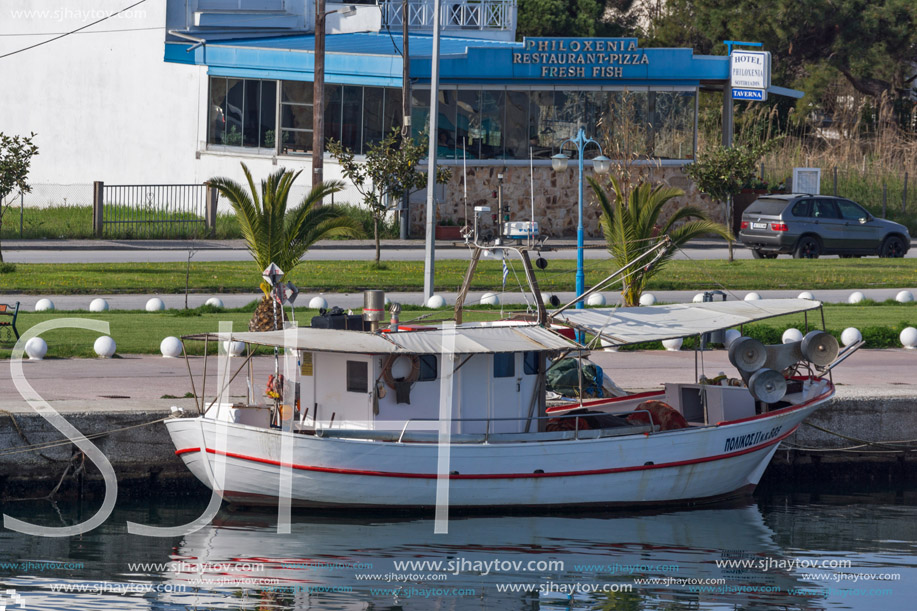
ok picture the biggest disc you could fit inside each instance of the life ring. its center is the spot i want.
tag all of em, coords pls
(387, 369)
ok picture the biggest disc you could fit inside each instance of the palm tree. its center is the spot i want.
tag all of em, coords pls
(275, 234)
(630, 225)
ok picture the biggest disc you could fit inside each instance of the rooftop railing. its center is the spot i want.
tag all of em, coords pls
(454, 14)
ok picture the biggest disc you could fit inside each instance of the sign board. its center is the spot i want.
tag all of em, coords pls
(750, 70)
(757, 95)
(807, 180)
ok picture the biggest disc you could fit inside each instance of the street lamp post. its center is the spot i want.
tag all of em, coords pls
(601, 165)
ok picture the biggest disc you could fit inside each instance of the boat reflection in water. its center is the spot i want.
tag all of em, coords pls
(489, 562)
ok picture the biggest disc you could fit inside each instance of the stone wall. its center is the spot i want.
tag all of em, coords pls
(555, 197)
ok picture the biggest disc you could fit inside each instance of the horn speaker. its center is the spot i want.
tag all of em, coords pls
(747, 354)
(819, 348)
(767, 385)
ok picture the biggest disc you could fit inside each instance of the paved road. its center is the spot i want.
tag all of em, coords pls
(163, 251)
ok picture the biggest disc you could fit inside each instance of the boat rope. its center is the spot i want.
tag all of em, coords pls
(20, 433)
(861, 443)
(64, 442)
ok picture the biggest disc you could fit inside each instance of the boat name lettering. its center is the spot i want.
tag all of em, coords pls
(751, 439)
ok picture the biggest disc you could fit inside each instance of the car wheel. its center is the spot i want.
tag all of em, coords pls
(807, 248)
(892, 247)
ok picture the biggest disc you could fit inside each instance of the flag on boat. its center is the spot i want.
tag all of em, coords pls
(505, 270)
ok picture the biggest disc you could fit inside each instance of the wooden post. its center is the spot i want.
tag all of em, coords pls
(318, 97)
(98, 189)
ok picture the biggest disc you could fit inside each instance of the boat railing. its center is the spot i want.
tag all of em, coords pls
(413, 425)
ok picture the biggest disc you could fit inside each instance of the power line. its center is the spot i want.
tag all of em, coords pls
(44, 42)
(162, 27)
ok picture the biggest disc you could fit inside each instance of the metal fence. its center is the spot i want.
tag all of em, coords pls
(888, 194)
(148, 211)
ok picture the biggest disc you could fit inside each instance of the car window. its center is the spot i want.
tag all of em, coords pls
(850, 211)
(766, 206)
(802, 208)
(826, 209)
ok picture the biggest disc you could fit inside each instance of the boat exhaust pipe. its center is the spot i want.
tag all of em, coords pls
(373, 308)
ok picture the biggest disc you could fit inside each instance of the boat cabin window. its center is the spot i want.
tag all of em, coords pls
(531, 363)
(427, 368)
(357, 376)
(504, 365)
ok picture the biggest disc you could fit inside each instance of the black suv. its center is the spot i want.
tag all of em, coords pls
(807, 226)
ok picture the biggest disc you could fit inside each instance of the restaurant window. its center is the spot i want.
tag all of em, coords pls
(491, 127)
(296, 117)
(242, 112)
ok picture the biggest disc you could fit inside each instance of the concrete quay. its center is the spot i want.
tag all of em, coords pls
(121, 401)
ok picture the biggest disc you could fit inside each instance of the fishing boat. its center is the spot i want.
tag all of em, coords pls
(400, 416)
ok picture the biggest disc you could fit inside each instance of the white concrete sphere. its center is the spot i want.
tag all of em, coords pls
(387, 301)
(730, 336)
(170, 347)
(215, 302)
(155, 304)
(104, 347)
(318, 303)
(904, 297)
(435, 301)
(791, 335)
(806, 295)
(672, 345)
(851, 335)
(699, 298)
(647, 299)
(752, 297)
(595, 299)
(490, 299)
(36, 348)
(98, 305)
(234, 348)
(44, 305)
(856, 297)
(908, 338)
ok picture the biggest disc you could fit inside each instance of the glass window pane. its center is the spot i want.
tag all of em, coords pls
(297, 92)
(217, 131)
(373, 107)
(393, 110)
(568, 117)
(468, 125)
(332, 111)
(850, 211)
(672, 114)
(295, 142)
(629, 132)
(251, 121)
(531, 363)
(517, 120)
(420, 113)
(492, 108)
(445, 123)
(297, 117)
(234, 104)
(427, 368)
(357, 376)
(352, 125)
(802, 209)
(541, 123)
(266, 135)
(504, 364)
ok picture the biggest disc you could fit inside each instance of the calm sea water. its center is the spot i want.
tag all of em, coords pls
(783, 550)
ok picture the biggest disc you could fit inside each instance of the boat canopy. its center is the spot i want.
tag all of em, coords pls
(621, 326)
(467, 340)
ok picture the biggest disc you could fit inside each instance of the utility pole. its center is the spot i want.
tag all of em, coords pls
(405, 110)
(318, 96)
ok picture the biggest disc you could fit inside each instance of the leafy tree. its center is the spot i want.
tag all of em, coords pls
(721, 172)
(872, 43)
(388, 172)
(575, 18)
(16, 154)
(630, 222)
(275, 234)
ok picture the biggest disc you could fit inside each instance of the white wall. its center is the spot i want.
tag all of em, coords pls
(104, 104)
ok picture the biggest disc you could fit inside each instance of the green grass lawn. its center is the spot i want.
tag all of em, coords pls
(351, 276)
(138, 332)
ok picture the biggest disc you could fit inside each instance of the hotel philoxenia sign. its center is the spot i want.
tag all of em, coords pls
(580, 57)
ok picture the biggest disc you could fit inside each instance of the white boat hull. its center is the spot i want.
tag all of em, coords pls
(694, 464)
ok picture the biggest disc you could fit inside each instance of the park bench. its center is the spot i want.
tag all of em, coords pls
(5, 325)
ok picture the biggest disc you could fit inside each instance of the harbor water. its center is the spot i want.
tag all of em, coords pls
(783, 549)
